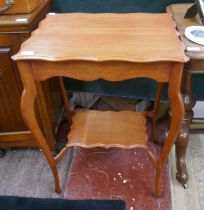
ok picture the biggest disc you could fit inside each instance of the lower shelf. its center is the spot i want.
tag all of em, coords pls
(123, 129)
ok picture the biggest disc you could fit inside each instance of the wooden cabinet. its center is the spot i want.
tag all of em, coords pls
(19, 6)
(13, 131)
(10, 94)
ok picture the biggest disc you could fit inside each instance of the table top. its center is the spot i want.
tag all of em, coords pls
(178, 11)
(135, 37)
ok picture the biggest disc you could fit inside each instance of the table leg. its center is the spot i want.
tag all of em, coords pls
(183, 137)
(177, 109)
(65, 100)
(154, 114)
(28, 113)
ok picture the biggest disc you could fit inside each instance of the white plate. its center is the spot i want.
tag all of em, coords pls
(195, 34)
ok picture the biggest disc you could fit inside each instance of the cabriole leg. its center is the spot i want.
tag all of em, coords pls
(183, 136)
(177, 109)
(28, 113)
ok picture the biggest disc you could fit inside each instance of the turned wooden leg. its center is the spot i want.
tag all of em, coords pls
(183, 136)
(28, 113)
(177, 109)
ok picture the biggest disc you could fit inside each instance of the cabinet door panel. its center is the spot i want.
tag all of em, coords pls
(11, 119)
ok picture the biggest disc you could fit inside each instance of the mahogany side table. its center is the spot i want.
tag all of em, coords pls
(194, 66)
(113, 47)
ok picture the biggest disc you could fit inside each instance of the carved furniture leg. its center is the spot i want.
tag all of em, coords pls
(28, 113)
(177, 108)
(183, 137)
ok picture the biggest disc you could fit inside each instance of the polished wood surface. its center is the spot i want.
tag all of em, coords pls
(139, 39)
(21, 6)
(123, 129)
(103, 59)
(109, 70)
(13, 130)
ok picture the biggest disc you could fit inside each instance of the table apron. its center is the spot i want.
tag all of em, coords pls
(107, 70)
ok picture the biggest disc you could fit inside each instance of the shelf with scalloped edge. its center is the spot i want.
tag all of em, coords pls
(124, 129)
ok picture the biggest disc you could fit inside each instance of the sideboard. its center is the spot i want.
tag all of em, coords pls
(14, 29)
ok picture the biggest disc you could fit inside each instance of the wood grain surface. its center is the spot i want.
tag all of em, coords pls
(107, 129)
(98, 37)
(127, 46)
(107, 70)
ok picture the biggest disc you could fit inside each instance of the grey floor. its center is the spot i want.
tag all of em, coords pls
(191, 198)
(25, 172)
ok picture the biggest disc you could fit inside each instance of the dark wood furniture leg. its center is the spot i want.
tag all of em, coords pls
(183, 137)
